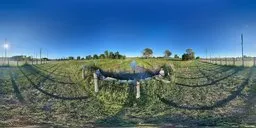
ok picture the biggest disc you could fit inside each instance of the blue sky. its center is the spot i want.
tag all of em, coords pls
(82, 27)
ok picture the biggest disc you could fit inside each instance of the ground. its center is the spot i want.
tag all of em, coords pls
(200, 94)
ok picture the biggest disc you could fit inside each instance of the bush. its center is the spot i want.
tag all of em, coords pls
(189, 55)
(176, 56)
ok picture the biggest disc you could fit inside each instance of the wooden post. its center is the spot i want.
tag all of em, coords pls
(137, 89)
(83, 72)
(95, 78)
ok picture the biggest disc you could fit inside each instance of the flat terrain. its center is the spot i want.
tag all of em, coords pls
(200, 94)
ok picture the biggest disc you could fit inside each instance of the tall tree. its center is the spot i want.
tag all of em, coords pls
(167, 53)
(71, 58)
(176, 56)
(147, 52)
(111, 55)
(189, 55)
(95, 56)
(106, 54)
(117, 55)
(102, 56)
(189, 51)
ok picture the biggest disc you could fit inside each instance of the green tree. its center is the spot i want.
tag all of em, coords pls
(106, 54)
(71, 58)
(78, 57)
(189, 51)
(102, 56)
(167, 53)
(95, 56)
(176, 56)
(117, 55)
(189, 55)
(111, 55)
(147, 52)
(88, 57)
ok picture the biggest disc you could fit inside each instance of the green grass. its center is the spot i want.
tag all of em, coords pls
(199, 94)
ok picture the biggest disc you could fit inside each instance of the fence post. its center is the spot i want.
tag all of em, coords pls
(83, 72)
(234, 62)
(137, 89)
(96, 87)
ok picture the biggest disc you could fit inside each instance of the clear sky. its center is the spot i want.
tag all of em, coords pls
(82, 27)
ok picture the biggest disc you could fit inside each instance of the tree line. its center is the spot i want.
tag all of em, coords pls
(106, 55)
(189, 55)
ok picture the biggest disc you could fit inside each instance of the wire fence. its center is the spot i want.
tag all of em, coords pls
(246, 61)
(17, 63)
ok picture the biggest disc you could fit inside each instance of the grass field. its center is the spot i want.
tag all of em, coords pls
(54, 94)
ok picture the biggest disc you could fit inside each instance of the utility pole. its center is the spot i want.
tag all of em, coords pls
(47, 56)
(242, 44)
(206, 55)
(210, 57)
(40, 55)
(6, 46)
(5, 51)
(36, 59)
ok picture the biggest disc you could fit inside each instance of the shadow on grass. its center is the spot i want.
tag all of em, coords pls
(217, 104)
(46, 70)
(51, 94)
(117, 119)
(47, 77)
(212, 80)
(120, 119)
(219, 70)
(16, 89)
